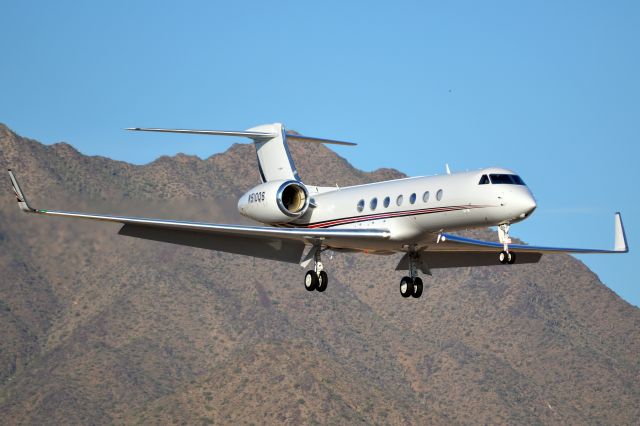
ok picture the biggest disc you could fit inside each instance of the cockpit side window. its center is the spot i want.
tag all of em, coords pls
(484, 180)
(517, 180)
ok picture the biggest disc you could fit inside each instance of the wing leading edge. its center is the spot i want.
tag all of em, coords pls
(284, 244)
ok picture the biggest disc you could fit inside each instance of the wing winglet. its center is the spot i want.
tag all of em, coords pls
(22, 201)
(620, 235)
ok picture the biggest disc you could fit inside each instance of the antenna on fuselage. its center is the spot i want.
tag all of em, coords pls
(446, 167)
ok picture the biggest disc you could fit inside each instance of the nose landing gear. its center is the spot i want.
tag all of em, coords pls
(505, 256)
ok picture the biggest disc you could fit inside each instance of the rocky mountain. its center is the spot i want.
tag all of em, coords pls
(97, 328)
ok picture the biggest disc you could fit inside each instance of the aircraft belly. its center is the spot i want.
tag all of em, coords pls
(366, 245)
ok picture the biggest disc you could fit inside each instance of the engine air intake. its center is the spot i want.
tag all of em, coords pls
(293, 198)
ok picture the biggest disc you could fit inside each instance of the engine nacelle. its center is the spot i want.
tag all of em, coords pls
(280, 201)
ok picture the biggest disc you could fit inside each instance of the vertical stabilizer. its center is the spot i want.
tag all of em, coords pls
(274, 158)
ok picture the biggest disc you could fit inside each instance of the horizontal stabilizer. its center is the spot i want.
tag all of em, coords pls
(256, 136)
(260, 136)
(300, 138)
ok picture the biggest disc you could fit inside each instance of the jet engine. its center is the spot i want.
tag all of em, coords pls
(280, 201)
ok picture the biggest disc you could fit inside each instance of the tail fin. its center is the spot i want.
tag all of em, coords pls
(274, 158)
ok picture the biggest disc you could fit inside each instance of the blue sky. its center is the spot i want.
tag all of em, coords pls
(549, 89)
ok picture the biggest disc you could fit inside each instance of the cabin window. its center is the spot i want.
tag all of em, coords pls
(439, 195)
(373, 204)
(484, 180)
(425, 196)
(360, 205)
(412, 198)
(386, 202)
(399, 200)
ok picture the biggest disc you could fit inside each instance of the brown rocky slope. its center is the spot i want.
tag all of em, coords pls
(97, 328)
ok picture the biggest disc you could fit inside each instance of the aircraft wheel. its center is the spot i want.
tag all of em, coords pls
(417, 287)
(323, 281)
(503, 257)
(511, 258)
(406, 286)
(311, 280)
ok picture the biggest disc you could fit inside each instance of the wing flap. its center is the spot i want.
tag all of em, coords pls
(264, 248)
(457, 259)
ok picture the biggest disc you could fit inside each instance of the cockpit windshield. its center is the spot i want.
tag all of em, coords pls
(501, 179)
(506, 179)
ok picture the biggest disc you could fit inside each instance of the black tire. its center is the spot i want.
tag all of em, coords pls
(311, 280)
(323, 281)
(406, 286)
(503, 257)
(512, 258)
(417, 287)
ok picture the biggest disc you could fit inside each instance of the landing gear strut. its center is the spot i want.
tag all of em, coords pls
(412, 285)
(505, 256)
(316, 279)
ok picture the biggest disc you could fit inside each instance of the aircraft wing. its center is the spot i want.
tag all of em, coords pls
(452, 251)
(456, 242)
(283, 244)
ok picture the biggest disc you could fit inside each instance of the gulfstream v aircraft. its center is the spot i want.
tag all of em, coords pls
(415, 216)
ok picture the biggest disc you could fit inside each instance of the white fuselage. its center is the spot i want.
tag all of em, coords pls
(454, 201)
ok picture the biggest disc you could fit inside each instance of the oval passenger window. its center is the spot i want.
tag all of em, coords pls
(439, 195)
(360, 205)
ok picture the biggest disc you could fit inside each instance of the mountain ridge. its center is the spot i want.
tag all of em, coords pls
(99, 328)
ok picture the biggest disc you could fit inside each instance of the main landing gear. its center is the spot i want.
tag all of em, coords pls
(316, 279)
(505, 256)
(411, 285)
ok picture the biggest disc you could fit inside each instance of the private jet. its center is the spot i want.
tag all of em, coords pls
(415, 216)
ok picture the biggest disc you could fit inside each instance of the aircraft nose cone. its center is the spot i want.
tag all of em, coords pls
(528, 206)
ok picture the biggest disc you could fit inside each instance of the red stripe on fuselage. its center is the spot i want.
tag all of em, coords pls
(355, 219)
